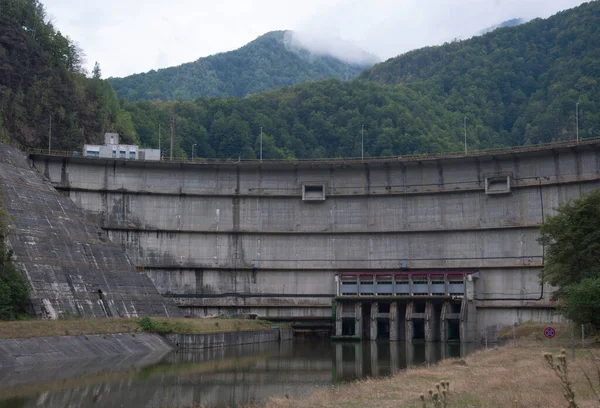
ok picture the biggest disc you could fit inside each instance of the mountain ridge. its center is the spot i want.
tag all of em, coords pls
(515, 86)
(269, 62)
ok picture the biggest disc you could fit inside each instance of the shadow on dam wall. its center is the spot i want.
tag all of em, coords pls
(73, 269)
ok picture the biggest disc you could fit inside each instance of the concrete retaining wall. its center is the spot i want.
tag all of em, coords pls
(210, 340)
(52, 350)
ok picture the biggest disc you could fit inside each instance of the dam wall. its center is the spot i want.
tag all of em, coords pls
(71, 266)
(275, 238)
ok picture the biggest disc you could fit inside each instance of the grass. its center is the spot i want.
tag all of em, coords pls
(73, 327)
(514, 376)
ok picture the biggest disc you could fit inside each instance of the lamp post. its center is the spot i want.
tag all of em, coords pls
(577, 119)
(194, 145)
(465, 135)
(49, 134)
(362, 142)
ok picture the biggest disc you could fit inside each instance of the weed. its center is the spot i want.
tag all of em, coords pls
(560, 367)
(439, 398)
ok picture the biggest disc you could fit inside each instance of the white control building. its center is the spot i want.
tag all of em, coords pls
(111, 149)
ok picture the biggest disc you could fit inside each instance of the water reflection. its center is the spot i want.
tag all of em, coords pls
(221, 377)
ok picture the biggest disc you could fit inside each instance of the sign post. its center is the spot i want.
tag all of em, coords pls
(549, 333)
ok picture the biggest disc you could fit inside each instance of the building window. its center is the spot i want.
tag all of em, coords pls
(122, 154)
(92, 154)
(132, 155)
(114, 154)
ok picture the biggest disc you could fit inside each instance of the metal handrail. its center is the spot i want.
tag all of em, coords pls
(408, 157)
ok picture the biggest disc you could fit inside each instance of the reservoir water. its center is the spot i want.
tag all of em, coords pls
(231, 376)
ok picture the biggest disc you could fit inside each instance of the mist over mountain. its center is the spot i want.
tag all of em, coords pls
(273, 60)
(513, 22)
(329, 46)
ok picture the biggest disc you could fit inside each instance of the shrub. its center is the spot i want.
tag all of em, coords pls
(14, 297)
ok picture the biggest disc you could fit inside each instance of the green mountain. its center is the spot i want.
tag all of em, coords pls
(42, 82)
(515, 85)
(521, 83)
(271, 61)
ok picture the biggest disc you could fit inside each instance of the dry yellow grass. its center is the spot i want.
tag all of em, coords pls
(501, 377)
(72, 327)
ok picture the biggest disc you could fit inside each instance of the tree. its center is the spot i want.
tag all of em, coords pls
(96, 72)
(572, 265)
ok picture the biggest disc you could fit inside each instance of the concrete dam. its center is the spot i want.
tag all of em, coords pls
(433, 248)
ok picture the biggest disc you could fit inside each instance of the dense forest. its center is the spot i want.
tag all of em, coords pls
(269, 62)
(515, 85)
(521, 82)
(42, 84)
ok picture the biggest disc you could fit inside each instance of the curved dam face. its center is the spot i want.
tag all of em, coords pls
(438, 237)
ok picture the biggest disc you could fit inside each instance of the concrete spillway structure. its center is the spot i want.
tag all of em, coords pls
(270, 238)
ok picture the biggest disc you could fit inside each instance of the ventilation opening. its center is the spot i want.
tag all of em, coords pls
(497, 185)
(313, 192)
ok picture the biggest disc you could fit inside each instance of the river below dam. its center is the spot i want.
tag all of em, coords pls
(230, 376)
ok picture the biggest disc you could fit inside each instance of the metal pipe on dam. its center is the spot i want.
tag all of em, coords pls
(277, 238)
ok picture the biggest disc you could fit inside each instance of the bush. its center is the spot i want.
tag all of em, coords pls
(582, 302)
(150, 325)
(14, 297)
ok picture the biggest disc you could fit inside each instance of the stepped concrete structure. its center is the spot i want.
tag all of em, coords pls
(72, 268)
(433, 248)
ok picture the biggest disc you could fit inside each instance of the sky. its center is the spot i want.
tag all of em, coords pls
(132, 36)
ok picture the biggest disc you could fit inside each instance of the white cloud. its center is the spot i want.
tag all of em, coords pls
(129, 36)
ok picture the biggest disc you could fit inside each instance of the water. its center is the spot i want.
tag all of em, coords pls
(229, 376)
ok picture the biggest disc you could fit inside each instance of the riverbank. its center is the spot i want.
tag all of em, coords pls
(515, 375)
(77, 327)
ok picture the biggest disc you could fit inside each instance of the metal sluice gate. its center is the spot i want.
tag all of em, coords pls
(400, 305)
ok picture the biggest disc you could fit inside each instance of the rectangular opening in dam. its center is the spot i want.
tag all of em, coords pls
(497, 185)
(313, 192)
(418, 330)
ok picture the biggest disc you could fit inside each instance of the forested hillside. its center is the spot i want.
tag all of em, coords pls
(41, 81)
(521, 82)
(267, 63)
(515, 85)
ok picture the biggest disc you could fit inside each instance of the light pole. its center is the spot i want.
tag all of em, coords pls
(577, 119)
(261, 143)
(49, 133)
(362, 142)
(465, 135)
(194, 145)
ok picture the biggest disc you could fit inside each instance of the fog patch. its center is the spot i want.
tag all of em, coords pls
(331, 46)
